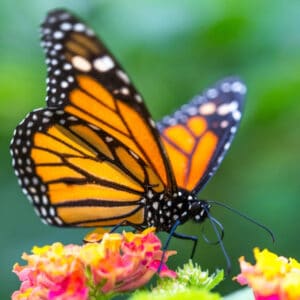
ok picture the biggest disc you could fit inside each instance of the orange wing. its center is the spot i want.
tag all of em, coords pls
(79, 175)
(86, 81)
(199, 134)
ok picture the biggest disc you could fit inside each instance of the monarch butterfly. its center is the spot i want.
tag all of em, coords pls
(95, 157)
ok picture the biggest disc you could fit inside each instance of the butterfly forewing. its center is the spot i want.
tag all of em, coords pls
(197, 136)
(86, 81)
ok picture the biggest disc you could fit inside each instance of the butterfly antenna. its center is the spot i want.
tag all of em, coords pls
(214, 223)
(244, 216)
(221, 232)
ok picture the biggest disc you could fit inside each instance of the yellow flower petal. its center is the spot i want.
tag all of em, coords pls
(269, 263)
(149, 230)
(272, 275)
(112, 241)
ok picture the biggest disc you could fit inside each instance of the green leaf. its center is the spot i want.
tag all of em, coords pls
(191, 276)
(191, 283)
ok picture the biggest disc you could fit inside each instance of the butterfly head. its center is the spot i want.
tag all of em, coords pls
(198, 210)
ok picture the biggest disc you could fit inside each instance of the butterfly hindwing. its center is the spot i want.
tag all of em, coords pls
(85, 80)
(75, 174)
(197, 136)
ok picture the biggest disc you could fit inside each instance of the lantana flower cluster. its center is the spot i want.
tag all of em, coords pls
(272, 277)
(120, 262)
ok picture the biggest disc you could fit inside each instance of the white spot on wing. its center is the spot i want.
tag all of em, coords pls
(238, 87)
(79, 27)
(150, 194)
(57, 72)
(192, 111)
(224, 124)
(108, 139)
(57, 47)
(212, 93)
(64, 84)
(58, 35)
(123, 76)
(58, 221)
(236, 115)
(226, 146)
(227, 108)
(82, 64)
(225, 87)
(207, 108)
(152, 123)
(104, 64)
(65, 26)
(67, 66)
(138, 98)
(124, 91)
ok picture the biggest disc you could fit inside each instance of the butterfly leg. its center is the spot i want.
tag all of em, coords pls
(171, 233)
(192, 238)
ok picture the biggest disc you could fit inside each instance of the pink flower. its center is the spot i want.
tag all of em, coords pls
(126, 261)
(52, 272)
(120, 262)
(272, 277)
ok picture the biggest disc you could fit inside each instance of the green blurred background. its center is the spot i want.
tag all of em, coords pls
(173, 49)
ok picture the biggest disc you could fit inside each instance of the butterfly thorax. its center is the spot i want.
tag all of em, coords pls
(164, 210)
